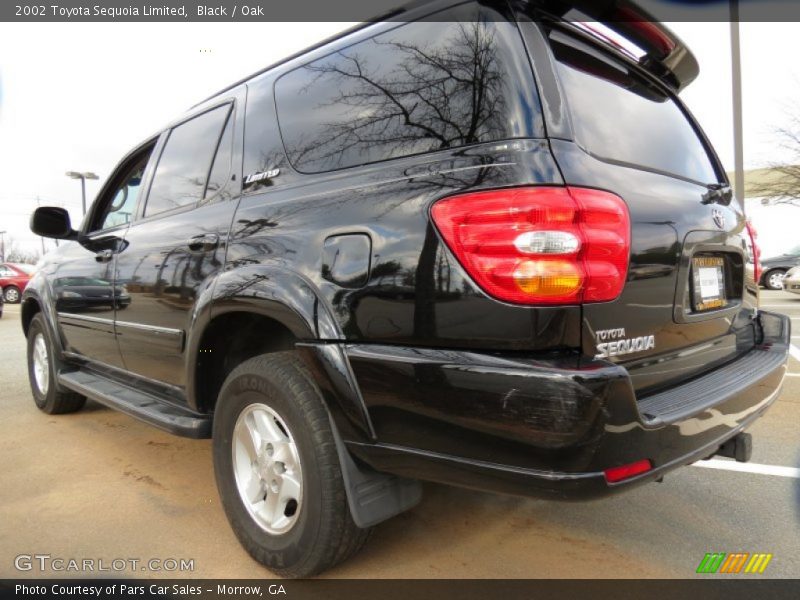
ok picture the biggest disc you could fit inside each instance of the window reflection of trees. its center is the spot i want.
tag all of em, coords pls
(426, 95)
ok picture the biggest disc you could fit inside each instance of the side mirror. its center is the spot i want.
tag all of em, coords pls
(52, 222)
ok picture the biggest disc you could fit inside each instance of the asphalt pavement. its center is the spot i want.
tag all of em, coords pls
(101, 486)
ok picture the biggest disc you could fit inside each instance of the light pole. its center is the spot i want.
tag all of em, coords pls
(736, 89)
(83, 177)
(2, 246)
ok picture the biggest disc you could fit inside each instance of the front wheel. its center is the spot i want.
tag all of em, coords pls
(774, 279)
(278, 471)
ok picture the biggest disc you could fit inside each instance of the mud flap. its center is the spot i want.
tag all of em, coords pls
(372, 496)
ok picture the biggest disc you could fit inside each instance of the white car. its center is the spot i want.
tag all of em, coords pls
(791, 282)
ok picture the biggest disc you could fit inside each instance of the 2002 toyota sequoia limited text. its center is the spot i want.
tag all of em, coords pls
(476, 243)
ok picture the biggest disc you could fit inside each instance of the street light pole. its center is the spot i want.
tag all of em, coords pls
(83, 177)
(2, 246)
(736, 85)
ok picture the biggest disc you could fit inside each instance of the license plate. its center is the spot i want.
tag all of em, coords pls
(708, 279)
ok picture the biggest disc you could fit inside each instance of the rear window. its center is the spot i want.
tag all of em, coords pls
(619, 116)
(421, 87)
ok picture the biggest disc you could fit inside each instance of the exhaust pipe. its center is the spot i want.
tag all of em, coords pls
(739, 447)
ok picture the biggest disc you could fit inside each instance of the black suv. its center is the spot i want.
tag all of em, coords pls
(475, 243)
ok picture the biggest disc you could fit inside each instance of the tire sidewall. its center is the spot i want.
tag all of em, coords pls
(293, 546)
(43, 401)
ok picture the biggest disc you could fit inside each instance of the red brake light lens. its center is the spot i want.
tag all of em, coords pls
(540, 245)
(616, 474)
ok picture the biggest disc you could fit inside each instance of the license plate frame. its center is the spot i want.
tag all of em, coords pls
(709, 289)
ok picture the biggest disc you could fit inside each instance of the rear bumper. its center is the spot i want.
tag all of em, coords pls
(551, 427)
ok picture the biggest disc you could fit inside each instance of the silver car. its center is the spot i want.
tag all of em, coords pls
(791, 282)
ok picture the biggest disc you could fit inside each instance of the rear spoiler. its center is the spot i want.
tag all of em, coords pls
(666, 56)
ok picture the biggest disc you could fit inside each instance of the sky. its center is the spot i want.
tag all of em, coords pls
(78, 96)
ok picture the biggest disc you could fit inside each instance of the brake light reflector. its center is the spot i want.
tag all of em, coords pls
(539, 245)
(756, 251)
(615, 474)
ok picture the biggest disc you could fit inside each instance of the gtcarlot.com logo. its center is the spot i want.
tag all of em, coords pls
(48, 563)
(734, 563)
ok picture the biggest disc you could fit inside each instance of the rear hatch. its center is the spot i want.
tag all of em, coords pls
(685, 307)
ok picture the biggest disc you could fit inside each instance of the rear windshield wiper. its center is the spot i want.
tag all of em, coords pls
(719, 193)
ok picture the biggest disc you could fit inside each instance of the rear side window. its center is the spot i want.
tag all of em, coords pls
(619, 116)
(183, 168)
(221, 169)
(421, 87)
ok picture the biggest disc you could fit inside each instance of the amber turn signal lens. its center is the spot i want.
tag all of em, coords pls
(548, 278)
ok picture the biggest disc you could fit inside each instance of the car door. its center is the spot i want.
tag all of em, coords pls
(85, 295)
(177, 244)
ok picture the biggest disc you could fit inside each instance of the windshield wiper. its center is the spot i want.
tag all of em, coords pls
(720, 193)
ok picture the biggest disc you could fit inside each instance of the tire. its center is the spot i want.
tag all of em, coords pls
(317, 531)
(46, 395)
(11, 294)
(773, 280)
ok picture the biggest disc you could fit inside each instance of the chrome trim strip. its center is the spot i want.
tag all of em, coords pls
(141, 326)
(151, 328)
(63, 315)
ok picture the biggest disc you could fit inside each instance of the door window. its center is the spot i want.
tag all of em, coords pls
(119, 211)
(183, 169)
(118, 206)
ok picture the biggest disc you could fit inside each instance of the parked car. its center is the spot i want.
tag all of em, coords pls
(87, 293)
(14, 279)
(791, 282)
(472, 246)
(775, 268)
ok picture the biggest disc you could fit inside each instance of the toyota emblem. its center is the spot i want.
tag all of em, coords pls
(719, 218)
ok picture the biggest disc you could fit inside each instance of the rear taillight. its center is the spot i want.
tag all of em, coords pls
(539, 245)
(755, 251)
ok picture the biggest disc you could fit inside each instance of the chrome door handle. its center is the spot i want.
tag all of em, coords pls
(203, 243)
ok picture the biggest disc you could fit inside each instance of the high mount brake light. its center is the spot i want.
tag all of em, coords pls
(539, 245)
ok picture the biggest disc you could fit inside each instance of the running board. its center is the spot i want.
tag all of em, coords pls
(140, 405)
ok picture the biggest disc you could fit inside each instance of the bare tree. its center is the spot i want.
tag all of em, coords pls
(15, 254)
(782, 185)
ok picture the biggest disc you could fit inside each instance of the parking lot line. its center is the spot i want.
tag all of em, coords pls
(726, 465)
(794, 351)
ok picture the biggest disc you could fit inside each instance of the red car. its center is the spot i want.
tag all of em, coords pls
(13, 280)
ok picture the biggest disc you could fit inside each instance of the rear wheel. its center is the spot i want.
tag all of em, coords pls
(42, 373)
(278, 471)
(11, 294)
(774, 279)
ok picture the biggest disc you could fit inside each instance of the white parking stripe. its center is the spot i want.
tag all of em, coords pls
(793, 374)
(779, 305)
(729, 465)
(794, 351)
